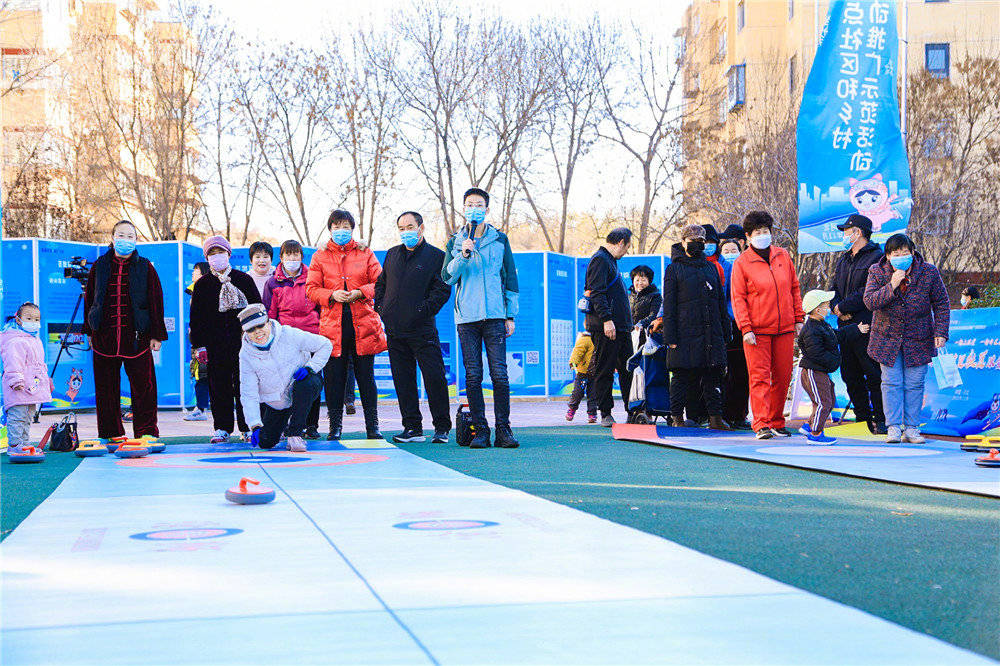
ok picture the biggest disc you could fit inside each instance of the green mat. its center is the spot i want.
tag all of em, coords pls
(924, 559)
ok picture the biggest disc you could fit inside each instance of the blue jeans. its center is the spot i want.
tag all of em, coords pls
(473, 336)
(201, 394)
(903, 393)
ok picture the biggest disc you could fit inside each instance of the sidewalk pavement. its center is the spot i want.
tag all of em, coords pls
(524, 413)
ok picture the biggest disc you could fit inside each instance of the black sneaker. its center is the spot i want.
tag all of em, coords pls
(784, 432)
(335, 433)
(408, 435)
(312, 432)
(440, 436)
(350, 409)
(505, 438)
(374, 434)
(765, 433)
(481, 440)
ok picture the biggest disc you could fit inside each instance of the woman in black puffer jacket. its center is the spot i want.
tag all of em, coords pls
(695, 326)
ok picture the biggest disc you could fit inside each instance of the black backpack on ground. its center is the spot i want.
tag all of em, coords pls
(464, 430)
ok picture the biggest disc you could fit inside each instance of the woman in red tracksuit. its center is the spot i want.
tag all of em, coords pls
(285, 298)
(767, 306)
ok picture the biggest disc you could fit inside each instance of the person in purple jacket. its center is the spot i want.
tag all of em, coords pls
(284, 296)
(910, 323)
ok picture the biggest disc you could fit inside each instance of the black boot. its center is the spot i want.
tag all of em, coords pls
(505, 438)
(481, 440)
(371, 427)
(336, 430)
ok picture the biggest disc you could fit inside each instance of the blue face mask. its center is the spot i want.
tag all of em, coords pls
(341, 236)
(848, 242)
(730, 257)
(710, 249)
(409, 238)
(901, 263)
(475, 215)
(123, 246)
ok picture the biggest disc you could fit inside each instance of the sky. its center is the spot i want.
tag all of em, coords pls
(307, 22)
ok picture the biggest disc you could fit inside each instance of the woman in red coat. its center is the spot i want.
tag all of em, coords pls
(767, 306)
(341, 281)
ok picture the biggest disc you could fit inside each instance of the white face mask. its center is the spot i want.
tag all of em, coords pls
(761, 241)
(292, 266)
(965, 301)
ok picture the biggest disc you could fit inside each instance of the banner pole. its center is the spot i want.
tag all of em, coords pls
(905, 40)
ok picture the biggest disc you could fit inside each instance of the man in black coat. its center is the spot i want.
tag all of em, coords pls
(609, 323)
(695, 327)
(860, 373)
(408, 295)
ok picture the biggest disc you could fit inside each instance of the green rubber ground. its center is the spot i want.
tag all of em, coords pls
(928, 560)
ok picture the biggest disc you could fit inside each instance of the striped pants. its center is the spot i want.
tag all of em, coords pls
(819, 386)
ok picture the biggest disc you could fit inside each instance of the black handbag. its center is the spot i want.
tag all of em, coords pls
(62, 435)
(464, 429)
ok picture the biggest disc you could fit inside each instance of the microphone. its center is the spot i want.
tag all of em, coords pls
(472, 235)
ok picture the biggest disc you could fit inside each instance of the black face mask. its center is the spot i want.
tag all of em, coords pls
(695, 248)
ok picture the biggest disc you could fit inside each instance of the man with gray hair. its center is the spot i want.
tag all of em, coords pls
(609, 322)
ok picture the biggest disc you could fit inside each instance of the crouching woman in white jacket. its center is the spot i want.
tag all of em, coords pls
(279, 380)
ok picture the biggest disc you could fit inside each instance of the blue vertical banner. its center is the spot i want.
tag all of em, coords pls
(561, 297)
(851, 154)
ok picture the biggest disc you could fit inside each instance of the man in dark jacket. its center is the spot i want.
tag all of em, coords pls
(695, 327)
(609, 322)
(408, 295)
(860, 373)
(123, 315)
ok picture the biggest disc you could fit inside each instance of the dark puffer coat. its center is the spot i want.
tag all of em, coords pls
(694, 312)
(645, 305)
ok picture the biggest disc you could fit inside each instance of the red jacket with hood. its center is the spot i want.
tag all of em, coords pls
(286, 301)
(766, 296)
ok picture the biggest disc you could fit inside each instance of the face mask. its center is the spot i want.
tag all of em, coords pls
(291, 266)
(695, 247)
(965, 301)
(710, 249)
(31, 327)
(730, 257)
(475, 215)
(761, 242)
(219, 262)
(341, 236)
(901, 263)
(409, 238)
(124, 246)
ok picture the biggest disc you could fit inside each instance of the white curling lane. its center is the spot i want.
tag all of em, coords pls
(395, 560)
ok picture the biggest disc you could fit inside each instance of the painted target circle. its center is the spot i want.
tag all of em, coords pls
(243, 460)
(187, 534)
(444, 525)
(848, 451)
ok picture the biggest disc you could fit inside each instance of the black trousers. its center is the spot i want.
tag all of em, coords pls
(224, 391)
(335, 378)
(291, 420)
(863, 378)
(405, 354)
(609, 356)
(710, 380)
(736, 387)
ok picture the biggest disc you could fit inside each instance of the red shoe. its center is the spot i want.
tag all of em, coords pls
(570, 413)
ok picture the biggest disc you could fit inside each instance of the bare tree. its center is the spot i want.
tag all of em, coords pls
(644, 117)
(286, 104)
(28, 62)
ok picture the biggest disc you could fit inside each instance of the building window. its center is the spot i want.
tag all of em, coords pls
(939, 142)
(791, 9)
(793, 74)
(741, 15)
(937, 59)
(737, 86)
(720, 50)
(695, 24)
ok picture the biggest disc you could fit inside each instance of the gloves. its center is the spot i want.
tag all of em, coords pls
(255, 437)
(300, 374)
(202, 355)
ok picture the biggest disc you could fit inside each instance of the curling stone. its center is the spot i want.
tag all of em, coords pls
(153, 444)
(114, 443)
(91, 448)
(991, 460)
(244, 495)
(134, 448)
(27, 454)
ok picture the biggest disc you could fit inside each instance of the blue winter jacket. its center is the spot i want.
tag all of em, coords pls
(486, 282)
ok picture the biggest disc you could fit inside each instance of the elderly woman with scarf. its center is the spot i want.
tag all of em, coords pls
(216, 333)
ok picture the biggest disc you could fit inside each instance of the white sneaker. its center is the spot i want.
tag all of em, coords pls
(296, 444)
(894, 434)
(913, 436)
(220, 437)
(195, 415)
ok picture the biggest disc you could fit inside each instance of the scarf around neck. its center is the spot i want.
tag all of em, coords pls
(230, 298)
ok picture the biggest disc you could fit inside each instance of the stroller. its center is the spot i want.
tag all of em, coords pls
(649, 397)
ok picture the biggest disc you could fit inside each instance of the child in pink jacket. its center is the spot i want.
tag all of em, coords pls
(26, 383)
